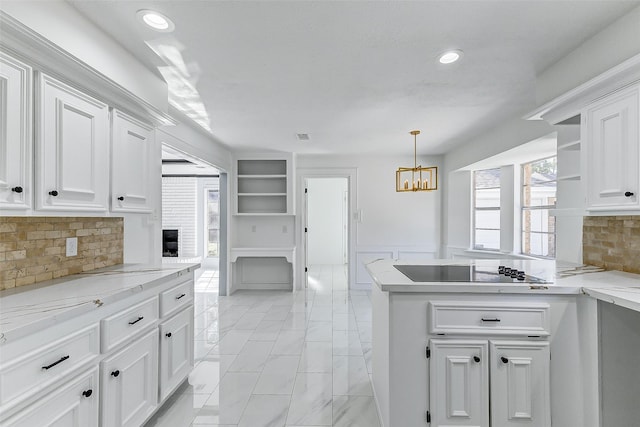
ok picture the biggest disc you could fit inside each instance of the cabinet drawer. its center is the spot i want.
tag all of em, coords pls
(75, 402)
(489, 318)
(38, 369)
(121, 326)
(174, 299)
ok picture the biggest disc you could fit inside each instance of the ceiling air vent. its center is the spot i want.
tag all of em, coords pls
(302, 136)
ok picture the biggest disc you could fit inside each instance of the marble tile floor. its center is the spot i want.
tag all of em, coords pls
(276, 359)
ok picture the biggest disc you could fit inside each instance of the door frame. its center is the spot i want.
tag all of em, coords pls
(351, 174)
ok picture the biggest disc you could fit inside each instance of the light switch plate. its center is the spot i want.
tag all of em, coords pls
(72, 246)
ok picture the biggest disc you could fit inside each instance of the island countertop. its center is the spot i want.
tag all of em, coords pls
(29, 308)
(562, 278)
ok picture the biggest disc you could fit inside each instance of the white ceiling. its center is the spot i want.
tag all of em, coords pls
(355, 75)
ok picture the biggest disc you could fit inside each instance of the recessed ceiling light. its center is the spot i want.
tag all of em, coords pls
(450, 56)
(155, 20)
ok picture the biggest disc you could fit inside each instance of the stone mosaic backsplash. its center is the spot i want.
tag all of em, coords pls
(612, 242)
(32, 249)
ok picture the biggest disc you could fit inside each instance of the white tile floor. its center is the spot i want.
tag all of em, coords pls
(274, 359)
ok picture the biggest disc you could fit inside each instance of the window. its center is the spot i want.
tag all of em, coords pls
(213, 222)
(486, 206)
(538, 197)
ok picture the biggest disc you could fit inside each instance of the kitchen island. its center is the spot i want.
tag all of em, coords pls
(494, 353)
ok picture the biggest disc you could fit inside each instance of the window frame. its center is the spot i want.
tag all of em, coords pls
(485, 209)
(524, 209)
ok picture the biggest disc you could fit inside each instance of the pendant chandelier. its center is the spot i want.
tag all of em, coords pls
(417, 178)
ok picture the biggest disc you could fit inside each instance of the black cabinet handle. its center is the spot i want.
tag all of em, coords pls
(490, 319)
(504, 359)
(121, 198)
(115, 373)
(168, 335)
(53, 193)
(476, 359)
(137, 320)
(180, 296)
(628, 194)
(62, 359)
(17, 189)
(87, 393)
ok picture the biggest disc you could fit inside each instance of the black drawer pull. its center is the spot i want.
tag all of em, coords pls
(115, 373)
(62, 359)
(168, 335)
(628, 194)
(17, 189)
(87, 393)
(504, 359)
(180, 296)
(490, 319)
(53, 193)
(137, 320)
(121, 198)
(476, 359)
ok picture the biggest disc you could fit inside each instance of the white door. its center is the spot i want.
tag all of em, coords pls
(15, 134)
(459, 383)
(176, 351)
(72, 149)
(520, 384)
(72, 404)
(129, 383)
(611, 129)
(131, 152)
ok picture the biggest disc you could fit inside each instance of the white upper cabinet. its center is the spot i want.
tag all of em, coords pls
(15, 134)
(611, 154)
(131, 154)
(72, 149)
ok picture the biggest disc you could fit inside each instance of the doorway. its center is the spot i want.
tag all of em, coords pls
(327, 236)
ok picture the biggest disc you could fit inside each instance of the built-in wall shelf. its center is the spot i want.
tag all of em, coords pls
(573, 177)
(264, 185)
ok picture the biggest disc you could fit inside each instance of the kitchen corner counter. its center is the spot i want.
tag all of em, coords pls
(30, 308)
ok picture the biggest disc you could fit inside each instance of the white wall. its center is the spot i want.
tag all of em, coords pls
(393, 225)
(326, 220)
(63, 25)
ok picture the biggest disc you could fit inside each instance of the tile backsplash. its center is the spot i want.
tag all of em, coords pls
(32, 249)
(612, 242)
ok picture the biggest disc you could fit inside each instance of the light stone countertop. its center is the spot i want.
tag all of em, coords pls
(30, 308)
(564, 279)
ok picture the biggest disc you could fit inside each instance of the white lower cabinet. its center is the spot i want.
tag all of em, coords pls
(129, 383)
(484, 383)
(176, 351)
(75, 404)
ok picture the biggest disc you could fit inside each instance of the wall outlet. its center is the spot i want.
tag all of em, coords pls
(72, 246)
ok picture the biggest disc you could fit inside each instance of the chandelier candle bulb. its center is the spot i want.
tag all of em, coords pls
(406, 184)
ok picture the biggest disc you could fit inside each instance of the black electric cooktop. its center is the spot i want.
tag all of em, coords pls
(465, 273)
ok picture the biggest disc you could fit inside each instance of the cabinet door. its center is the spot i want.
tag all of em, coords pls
(132, 150)
(612, 152)
(129, 383)
(72, 149)
(73, 404)
(520, 393)
(176, 351)
(459, 383)
(15, 134)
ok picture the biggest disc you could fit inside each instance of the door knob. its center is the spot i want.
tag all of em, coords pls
(504, 359)
(17, 189)
(476, 359)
